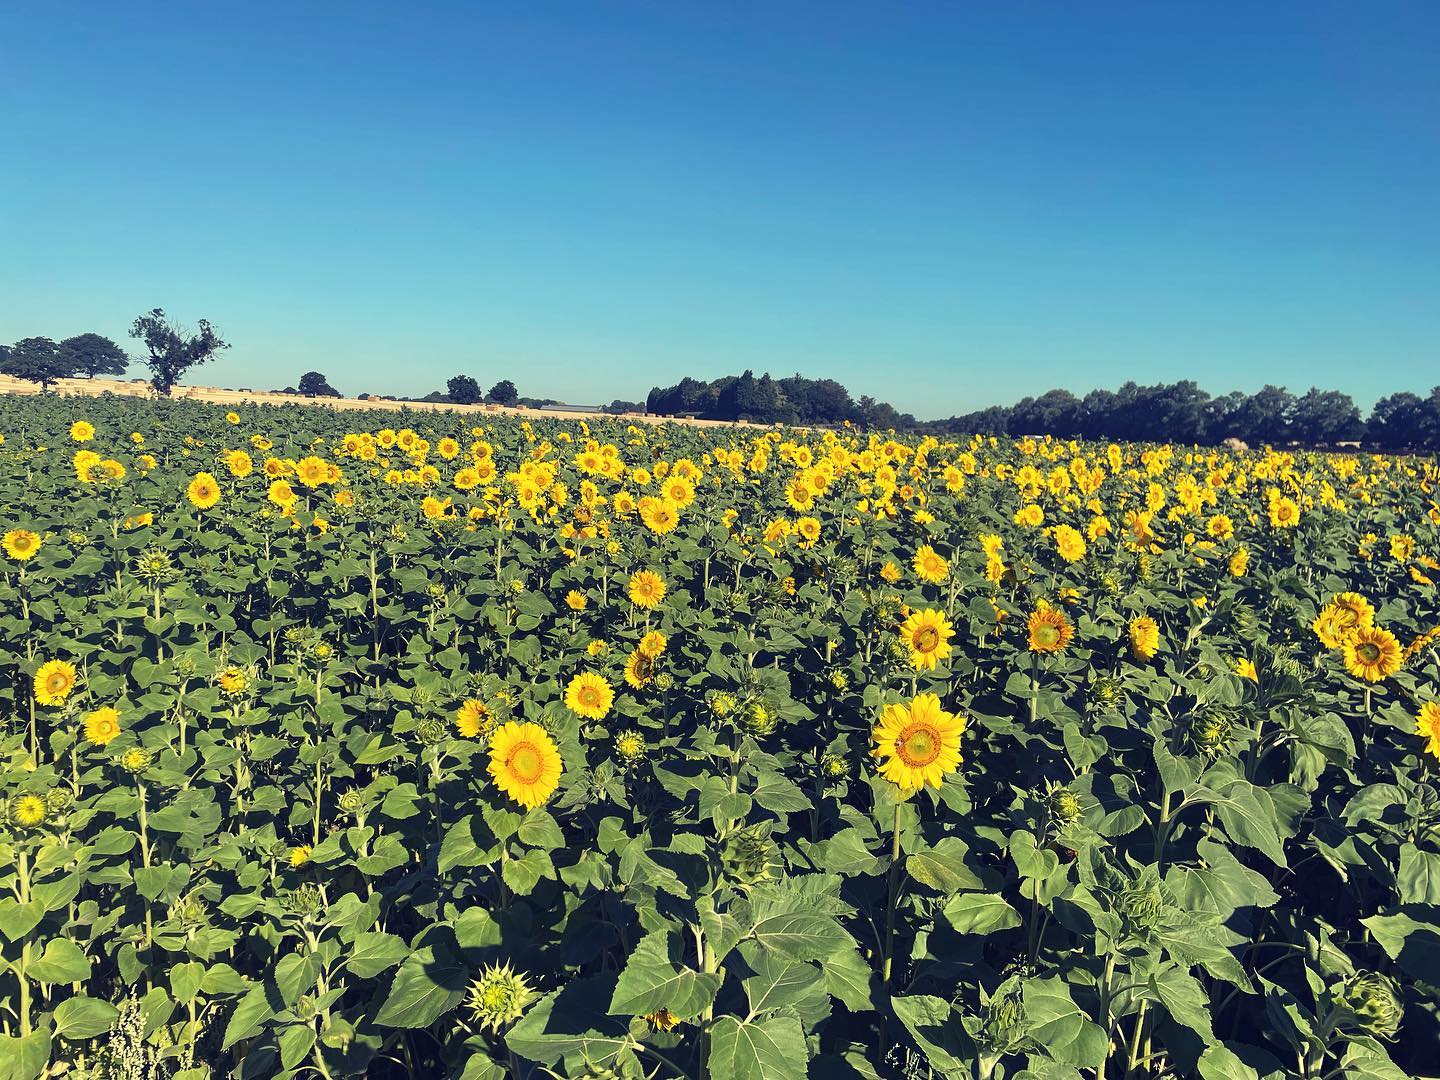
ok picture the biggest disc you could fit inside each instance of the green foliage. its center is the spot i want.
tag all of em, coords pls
(288, 851)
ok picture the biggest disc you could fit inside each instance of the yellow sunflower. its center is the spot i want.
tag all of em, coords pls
(647, 589)
(659, 516)
(204, 491)
(473, 718)
(589, 695)
(1427, 724)
(639, 669)
(1070, 542)
(21, 544)
(1372, 654)
(54, 681)
(102, 726)
(1284, 514)
(917, 744)
(1144, 637)
(930, 565)
(928, 634)
(82, 431)
(1049, 630)
(1245, 668)
(525, 763)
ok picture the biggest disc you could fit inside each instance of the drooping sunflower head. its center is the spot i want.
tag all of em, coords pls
(524, 762)
(917, 743)
(1049, 630)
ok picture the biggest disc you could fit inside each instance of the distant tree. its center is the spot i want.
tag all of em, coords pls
(1326, 417)
(464, 390)
(503, 393)
(618, 406)
(37, 360)
(313, 384)
(91, 354)
(173, 349)
(1265, 417)
(1397, 422)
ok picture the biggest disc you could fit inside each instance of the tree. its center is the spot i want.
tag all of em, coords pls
(463, 390)
(91, 354)
(1326, 417)
(504, 393)
(1397, 421)
(313, 384)
(173, 349)
(35, 359)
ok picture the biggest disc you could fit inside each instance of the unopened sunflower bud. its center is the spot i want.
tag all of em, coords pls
(1371, 1004)
(499, 997)
(1064, 806)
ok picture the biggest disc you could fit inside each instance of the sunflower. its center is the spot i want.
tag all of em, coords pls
(1049, 629)
(575, 600)
(1356, 610)
(928, 634)
(589, 695)
(299, 856)
(917, 744)
(1245, 668)
(1070, 543)
(473, 718)
(664, 1020)
(233, 681)
(1334, 625)
(102, 726)
(659, 516)
(1144, 637)
(313, 471)
(890, 572)
(524, 762)
(1239, 563)
(232, 417)
(639, 669)
(1427, 724)
(239, 463)
(1372, 654)
(204, 491)
(54, 681)
(82, 431)
(28, 811)
(21, 544)
(930, 565)
(1284, 514)
(653, 643)
(647, 589)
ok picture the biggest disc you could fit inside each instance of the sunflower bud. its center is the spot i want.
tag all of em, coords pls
(749, 856)
(758, 719)
(840, 681)
(1105, 693)
(306, 901)
(58, 800)
(1370, 1003)
(1211, 733)
(351, 801)
(430, 732)
(722, 704)
(499, 996)
(136, 760)
(1002, 1028)
(630, 748)
(834, 768)
(1064, 806)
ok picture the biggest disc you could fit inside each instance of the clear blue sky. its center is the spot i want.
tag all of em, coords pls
(944, 206)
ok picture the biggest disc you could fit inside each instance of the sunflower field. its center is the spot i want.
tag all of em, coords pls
(548, 748)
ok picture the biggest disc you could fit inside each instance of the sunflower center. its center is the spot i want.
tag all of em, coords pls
(918, 745)
(57, 681)
(526, 763)
(1047, 634)
(1369, 653)
(589, 697)
(926, 639)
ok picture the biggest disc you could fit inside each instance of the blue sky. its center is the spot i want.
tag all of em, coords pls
(944, 206)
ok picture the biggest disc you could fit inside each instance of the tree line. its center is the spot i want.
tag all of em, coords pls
(763, 400)
(1182, 412)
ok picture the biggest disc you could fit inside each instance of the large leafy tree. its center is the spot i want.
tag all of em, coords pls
(173, 349)
(504, 393)
(93, 354)
(35, 359)
(464, 390)
(314, 384)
